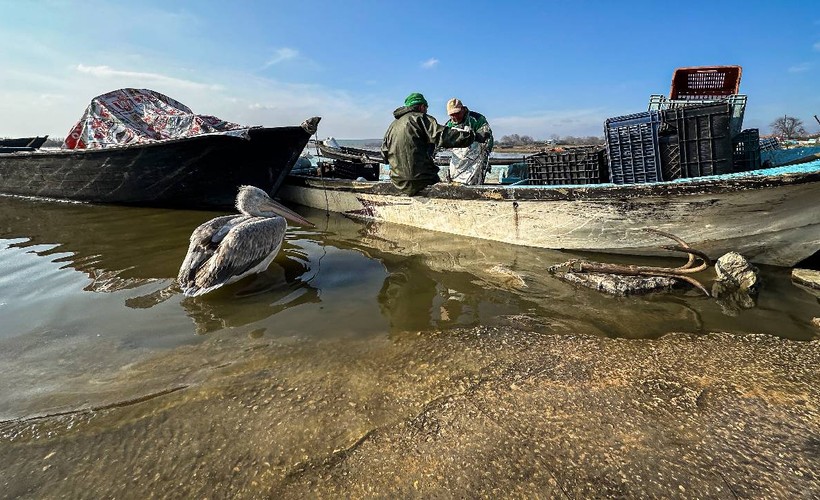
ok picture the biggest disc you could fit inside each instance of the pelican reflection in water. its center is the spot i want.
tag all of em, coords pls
(228, 248)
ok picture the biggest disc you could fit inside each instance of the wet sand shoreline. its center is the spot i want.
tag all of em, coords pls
(501, 412)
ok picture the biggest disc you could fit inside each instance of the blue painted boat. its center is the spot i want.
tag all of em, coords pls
(791, 156)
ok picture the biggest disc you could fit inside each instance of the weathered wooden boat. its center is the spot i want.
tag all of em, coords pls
(769, 215)
(789, 156)
(444, 159)
(356, 155)
(353, 155)
(23, 142)
(196, 172)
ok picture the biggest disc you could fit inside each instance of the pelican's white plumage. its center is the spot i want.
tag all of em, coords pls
(228, 248)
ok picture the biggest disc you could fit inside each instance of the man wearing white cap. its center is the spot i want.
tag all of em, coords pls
(470, 164)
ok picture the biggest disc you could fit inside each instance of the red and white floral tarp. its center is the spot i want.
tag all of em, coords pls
(135, 116)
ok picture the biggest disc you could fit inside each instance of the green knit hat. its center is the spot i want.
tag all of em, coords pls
(415, 98)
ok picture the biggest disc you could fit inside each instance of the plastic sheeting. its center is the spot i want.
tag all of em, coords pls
(469, 165)
(135, 116)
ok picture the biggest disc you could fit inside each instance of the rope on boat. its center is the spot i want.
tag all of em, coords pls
(322, 174)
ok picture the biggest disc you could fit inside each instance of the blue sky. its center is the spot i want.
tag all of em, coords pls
(533, 68)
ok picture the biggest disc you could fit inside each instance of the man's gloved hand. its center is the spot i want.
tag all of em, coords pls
(482, 136)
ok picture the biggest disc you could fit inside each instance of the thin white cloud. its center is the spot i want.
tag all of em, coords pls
(108, 72)
(280, 55)
(816, 46)
(800, 68)
(430, 63)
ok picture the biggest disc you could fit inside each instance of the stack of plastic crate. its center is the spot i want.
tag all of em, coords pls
(706, 148)
(579, 165)
(737, 104)
(693, 132)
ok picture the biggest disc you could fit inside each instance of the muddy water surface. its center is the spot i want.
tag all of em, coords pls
(359, 334)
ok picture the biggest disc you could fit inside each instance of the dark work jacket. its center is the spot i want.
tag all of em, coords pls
(410, 143)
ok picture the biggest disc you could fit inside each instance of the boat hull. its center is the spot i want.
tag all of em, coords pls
(24, 142)
(793, 156)
(355, 155)
(768, 219)
(199, 172)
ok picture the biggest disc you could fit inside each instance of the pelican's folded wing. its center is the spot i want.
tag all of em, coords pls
(248, 248)
(201, 247)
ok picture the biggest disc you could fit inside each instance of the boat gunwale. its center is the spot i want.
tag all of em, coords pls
(696, 186)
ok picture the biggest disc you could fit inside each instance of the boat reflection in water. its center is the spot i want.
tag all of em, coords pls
(351, 278)
(87, 291)
(137, 251)
(438, 280)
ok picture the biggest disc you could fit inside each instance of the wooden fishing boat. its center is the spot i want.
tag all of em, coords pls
(366, 156)
(196, 172)
(23, 142)
(770, 215)
(444, 159)
(789, 156)
(353, 155)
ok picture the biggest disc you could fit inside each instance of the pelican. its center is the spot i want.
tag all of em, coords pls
(228, 248)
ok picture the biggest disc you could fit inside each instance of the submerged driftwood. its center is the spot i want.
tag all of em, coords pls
(618, 279)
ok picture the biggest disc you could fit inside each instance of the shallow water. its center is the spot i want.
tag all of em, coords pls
(367, 350)
(87, 291)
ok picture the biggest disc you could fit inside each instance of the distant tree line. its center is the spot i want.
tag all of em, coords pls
(525, 140)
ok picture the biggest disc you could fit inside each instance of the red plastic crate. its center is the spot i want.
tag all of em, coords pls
(705, 82)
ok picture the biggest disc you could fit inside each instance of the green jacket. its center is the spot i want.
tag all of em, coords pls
(477, 123)
(410, 143)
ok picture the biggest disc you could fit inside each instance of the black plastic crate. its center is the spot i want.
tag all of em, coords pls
(670, 157)
(580, 165)
(737, 102)
(770, 144)
(633, 149)
(747, 150)
(341, 169)
(703, 138)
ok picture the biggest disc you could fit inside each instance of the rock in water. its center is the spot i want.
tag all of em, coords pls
(736, 284)
(806, 277)
(733, 270)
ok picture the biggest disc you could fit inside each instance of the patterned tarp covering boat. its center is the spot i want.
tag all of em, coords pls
(139, 116)
(139, 147)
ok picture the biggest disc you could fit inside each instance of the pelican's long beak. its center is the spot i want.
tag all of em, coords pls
(289, 214)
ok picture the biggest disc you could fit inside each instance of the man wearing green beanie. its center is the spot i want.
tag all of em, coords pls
(415, 98)
(411, 141)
